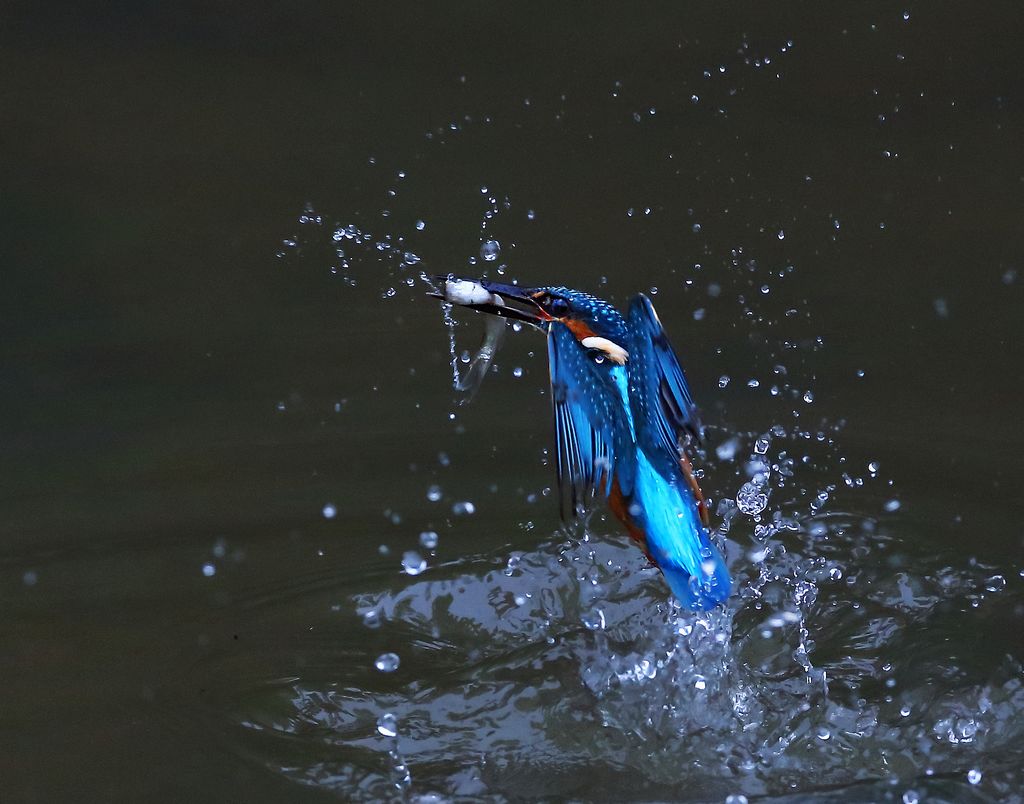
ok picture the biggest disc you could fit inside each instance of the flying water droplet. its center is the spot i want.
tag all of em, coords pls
(750, 499)
(489, 250)
(428, 540)
(387, 724)
(413, 563)
(726, 451)
(387, 662)
(974, 776)
(434, 493)
(329, 511)
(594, 620)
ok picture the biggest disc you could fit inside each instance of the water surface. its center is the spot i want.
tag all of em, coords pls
(229, 413)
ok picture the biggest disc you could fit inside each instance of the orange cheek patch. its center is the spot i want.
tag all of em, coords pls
(579, 328)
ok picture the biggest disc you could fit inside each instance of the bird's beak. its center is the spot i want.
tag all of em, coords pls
(489, 297)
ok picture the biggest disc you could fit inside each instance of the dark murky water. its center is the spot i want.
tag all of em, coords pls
(229, 416)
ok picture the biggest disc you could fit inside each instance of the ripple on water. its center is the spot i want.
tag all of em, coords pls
(575, 660)
(840, 664)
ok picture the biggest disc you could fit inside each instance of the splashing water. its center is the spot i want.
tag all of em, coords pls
(567, 669)
(572, 656)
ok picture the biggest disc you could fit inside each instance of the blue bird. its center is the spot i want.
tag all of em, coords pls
(623, 417)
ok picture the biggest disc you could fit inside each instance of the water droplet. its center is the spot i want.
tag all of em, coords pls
(594, 620)
(209, 570)
(387, 724)
(906, 16)
(761, 445)
(463, 508)
(995, 584)
(911, 797)
(434, 493)
(873, 467)
(726, 451)
(750, 499)
(892, 505)
(974, 776)
(387, 662)
(696, 228)
(530, 215)
(781, 235)
(753, 383)
(698, 314)
(420, 226)
(329, 511)
(489, 250)
(941, 308)
(30, 578)
(905, 710)
(808, 397)
(371, 618)
(413, 563)
(723, 381)
(736, 798)
(517, 372)
(428, 540)
(822, 733)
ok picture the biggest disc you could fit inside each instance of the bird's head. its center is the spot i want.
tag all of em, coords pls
(597, 325)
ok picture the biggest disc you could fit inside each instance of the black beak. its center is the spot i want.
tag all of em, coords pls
(448, 288)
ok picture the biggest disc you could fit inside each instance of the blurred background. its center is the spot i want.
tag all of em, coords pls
(228, 412)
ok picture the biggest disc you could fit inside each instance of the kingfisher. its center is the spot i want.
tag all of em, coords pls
(624, 419)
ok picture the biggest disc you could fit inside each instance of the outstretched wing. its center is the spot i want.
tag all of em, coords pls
(591, 425)
(653, 363)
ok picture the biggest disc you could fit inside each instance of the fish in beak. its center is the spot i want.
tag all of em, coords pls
(486, 296)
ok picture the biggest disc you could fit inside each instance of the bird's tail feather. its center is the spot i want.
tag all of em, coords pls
(705, 588)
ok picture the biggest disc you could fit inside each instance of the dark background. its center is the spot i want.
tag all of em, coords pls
(155, 157)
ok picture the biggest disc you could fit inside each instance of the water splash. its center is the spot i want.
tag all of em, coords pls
(811, 678)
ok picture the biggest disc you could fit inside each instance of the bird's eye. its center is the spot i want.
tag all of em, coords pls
(558, 307)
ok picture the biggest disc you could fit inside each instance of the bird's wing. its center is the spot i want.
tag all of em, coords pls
(666, 408)
(591, 425)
